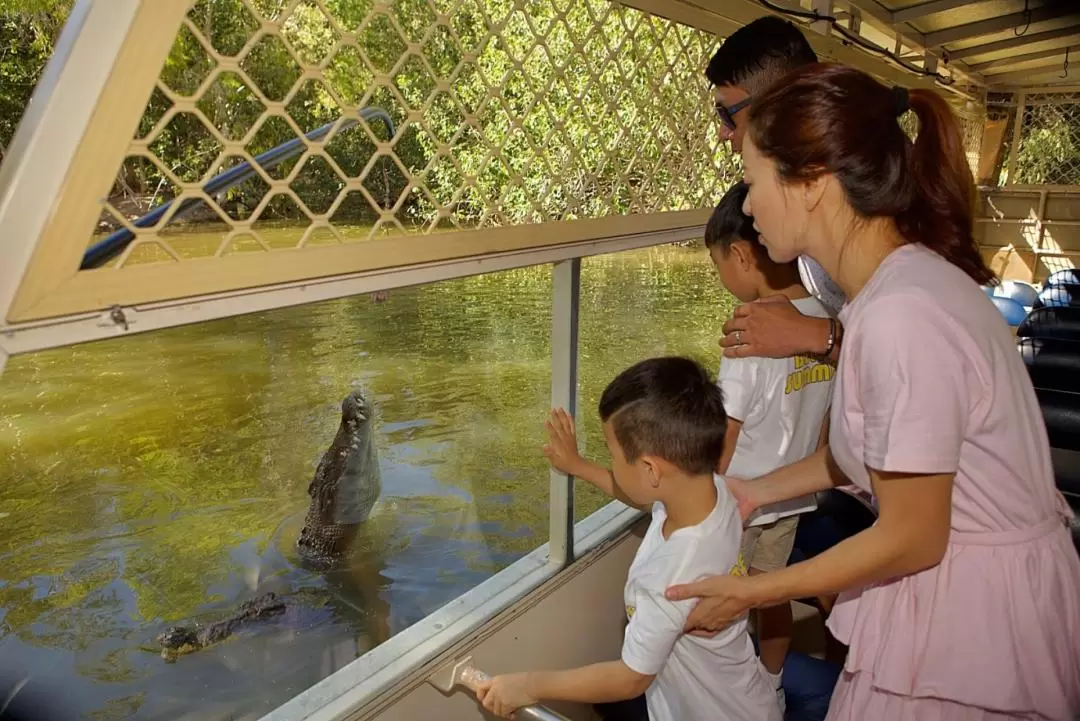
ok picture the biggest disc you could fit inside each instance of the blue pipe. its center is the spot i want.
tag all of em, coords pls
(112, 245)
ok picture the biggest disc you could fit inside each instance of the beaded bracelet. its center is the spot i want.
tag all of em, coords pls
(831, 343)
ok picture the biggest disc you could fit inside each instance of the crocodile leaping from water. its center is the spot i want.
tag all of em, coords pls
(343, 491)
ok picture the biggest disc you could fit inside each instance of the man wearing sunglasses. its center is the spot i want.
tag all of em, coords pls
(746, 64)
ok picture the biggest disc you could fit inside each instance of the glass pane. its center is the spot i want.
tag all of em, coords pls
(636, 305)
(162, 480)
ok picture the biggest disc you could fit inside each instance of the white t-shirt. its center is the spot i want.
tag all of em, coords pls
(697, 679)
(818, 284)
(782, 403)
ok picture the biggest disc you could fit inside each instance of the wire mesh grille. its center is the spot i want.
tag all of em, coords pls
(1049, 148)
(503, 112)
(971, 127)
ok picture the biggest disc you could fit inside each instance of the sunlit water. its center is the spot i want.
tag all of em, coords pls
(162, 478)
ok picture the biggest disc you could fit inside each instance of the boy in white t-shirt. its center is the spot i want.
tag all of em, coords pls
(776, 407)
(664, 425)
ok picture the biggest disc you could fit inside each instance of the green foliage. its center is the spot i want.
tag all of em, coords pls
(28, 32)
(506, 113)
(1050, 145)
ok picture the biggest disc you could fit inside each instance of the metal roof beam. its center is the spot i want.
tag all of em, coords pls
(1020, 76)
(1016, 42)
(875, 10)
(922, 10)
(912, 38)
(1012, 60)
(996, 25)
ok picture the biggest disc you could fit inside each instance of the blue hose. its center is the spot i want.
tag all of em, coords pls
(112, 245)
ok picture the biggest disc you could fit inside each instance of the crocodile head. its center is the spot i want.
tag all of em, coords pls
(177, 641)
(345, 487)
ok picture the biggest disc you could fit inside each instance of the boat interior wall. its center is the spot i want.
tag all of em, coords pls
(1029, 232)
(574, 619)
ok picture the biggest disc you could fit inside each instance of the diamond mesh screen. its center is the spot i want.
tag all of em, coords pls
(1049, 150)
(501, 112)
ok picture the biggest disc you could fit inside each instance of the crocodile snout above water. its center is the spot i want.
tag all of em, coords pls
(345, 487)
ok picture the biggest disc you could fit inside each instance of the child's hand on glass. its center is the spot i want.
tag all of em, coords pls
(561, 448)
(503, 695)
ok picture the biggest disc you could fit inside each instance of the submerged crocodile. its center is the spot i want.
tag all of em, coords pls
(343, 491)
(180, 640)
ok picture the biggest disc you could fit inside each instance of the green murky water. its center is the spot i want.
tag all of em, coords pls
(162, 478)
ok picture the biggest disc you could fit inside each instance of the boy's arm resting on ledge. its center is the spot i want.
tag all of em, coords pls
(598, 683)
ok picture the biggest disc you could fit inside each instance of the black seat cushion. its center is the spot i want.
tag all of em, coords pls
(1052, 363)
(1067, 473)
(1061, 411)
(1058, 322)
(1067, 294)
(1066, 276)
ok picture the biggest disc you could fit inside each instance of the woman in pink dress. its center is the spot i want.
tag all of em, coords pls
(963, 601)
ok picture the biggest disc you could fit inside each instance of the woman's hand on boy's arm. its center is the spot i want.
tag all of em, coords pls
(773, 327)
(598, 683)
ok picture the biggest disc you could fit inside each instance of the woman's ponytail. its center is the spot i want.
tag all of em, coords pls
(829, 118)
(941, 215)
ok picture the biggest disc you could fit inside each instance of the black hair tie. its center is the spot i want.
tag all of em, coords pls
(900, 100)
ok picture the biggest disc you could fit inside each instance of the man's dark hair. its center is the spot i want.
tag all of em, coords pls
(667, 407)
(758, 54)
(727, 223)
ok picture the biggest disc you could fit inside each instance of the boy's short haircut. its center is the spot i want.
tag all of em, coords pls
(668, 407)
(728, 223)
(758, 54)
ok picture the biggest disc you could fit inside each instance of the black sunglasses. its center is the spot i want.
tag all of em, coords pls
(727, 114)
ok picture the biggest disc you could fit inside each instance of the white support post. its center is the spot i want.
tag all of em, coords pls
(822, 7)
(1040, 222)
(930, 62)
(3, 360)
(59, 112)
(1021, 102)
(565, 294)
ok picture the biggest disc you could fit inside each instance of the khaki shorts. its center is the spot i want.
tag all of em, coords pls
(767, 548)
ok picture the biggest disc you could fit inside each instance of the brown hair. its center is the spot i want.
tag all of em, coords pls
(829, 118)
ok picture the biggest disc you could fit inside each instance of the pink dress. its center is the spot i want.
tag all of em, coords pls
(930, 381)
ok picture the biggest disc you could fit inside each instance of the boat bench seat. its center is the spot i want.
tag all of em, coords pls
(1054, 366)
(1061, 322)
